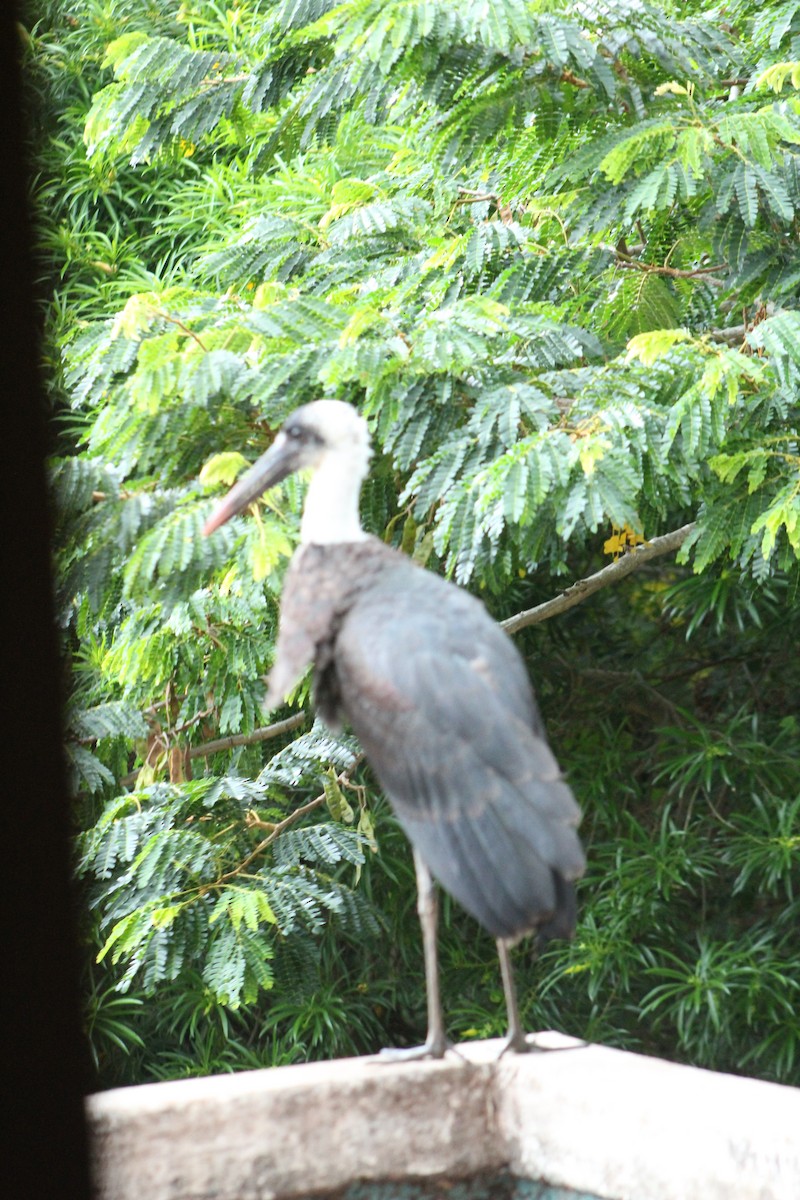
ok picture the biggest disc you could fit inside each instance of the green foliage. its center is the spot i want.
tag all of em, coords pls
(554, 262)
(181, 879)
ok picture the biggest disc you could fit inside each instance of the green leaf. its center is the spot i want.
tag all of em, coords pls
(652, 141)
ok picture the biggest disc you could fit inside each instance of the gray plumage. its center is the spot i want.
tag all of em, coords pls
(441, 702)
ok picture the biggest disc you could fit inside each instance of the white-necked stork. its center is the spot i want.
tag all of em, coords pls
(439, 698)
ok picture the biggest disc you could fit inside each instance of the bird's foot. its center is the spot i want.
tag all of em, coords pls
(517, 1043)
(520, 1043)
(433, 1047)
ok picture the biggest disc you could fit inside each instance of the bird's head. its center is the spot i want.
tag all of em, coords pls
(325, 435)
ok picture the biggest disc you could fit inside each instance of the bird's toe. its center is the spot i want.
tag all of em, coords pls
(433, 1047)
(517, 1043)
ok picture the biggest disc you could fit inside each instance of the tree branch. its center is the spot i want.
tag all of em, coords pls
(248, 739)
(578, 592)
(673, 273)
(734, 335)
(468, 196)
(235, 739)
(576, 81)
(635, 264)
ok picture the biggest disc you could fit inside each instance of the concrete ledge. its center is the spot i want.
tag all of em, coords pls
(603, 1121)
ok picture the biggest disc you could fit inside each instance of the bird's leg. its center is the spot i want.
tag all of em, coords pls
(436, 1044)
(428, 910)
(515, 1039)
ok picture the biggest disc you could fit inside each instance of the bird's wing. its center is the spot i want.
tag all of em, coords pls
(443, 707)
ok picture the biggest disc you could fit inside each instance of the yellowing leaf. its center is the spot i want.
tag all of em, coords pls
(136, 316)
(784, 513)
(361, 319)
(642, 147)
(335, 799)
(775, 76)
(673, 88)
(352, 191)
(146, 777)
(622, 540)
(446, 254)
(122, 47)
(270, 547)
(648, 347)
(162, 917)
(693, 143)
(228, 581)
(590, 453)
(262, 561)
(367, 829)
(346, 195)
(269, 293)
(713, 376)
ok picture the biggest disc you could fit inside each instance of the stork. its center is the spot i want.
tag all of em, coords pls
(439, 699)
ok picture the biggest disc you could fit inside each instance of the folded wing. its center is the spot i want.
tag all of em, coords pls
(442, 704)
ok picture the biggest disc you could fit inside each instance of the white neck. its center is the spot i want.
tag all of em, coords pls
(331, 509)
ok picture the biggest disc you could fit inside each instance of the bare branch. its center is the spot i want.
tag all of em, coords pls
(235, 739)
(468, 196)
(576, 81)
(732, 336)
(624, 259)
(578, 592)
(575, 594)
(636, 264)
(248, 739)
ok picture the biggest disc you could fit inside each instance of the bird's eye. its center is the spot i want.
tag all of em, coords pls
(302, 435)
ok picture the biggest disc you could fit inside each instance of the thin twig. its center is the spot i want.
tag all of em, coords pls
(576, 81)
(467, 196)
(578, 591)
(635, 264)
(270, 838)
(279, 826)
(165, 316)
(199, 716)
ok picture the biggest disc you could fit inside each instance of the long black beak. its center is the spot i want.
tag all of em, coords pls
(276, 464)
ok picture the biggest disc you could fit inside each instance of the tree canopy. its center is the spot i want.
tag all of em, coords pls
(550, 251)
